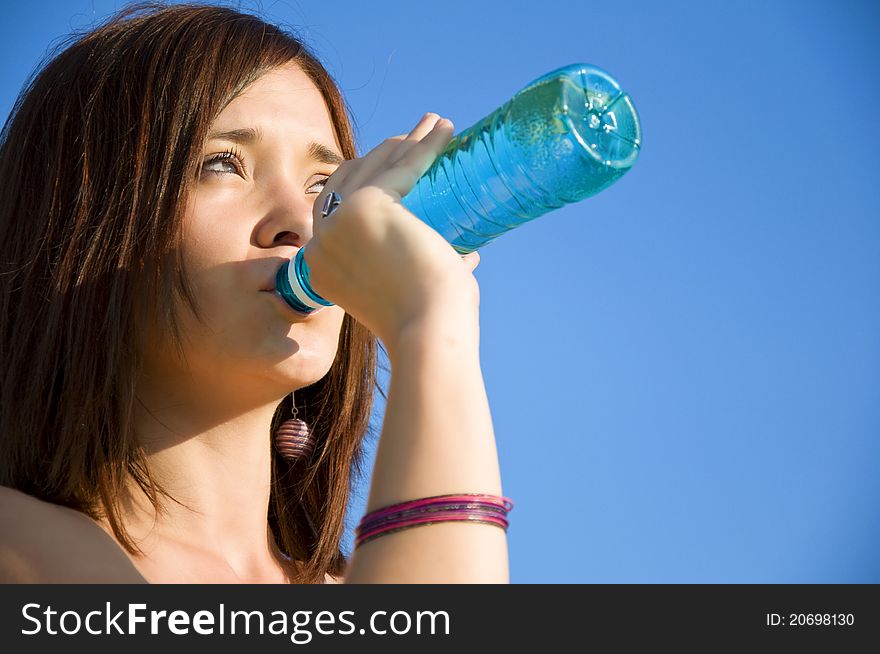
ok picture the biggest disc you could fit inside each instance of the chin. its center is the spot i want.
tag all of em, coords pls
(302, 370)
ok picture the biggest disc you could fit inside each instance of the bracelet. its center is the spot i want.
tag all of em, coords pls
(470, 507)
(370, 522)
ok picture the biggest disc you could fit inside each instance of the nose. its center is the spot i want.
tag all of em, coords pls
(288, 219)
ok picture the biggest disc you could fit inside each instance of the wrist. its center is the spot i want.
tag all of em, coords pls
(454, 333)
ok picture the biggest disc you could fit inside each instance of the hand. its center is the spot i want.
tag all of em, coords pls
(374, 258)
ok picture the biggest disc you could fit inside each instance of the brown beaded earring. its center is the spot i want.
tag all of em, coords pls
(293, 438)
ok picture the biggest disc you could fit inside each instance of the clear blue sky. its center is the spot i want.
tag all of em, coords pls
(700, 399)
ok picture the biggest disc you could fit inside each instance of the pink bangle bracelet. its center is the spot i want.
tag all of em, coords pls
(505, 502)
(405, 524)
(480, 509)
(473, 507)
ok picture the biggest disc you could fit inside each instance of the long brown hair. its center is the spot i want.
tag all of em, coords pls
(97, 160)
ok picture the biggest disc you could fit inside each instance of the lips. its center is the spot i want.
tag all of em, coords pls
(289, 309)
(269, 283)
(268, 270)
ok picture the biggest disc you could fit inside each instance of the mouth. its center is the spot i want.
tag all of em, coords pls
(290, 311)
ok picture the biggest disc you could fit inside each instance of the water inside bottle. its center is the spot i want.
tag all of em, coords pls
(563, 138)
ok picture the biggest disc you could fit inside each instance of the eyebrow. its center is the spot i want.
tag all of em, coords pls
(247, 135)
(325, 155)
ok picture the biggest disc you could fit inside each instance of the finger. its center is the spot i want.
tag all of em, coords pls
(335, 182)
(426, 124)
(389, 152)
(419, 132)
(472, 259)
(349, 176)
(374, 160)
(423, 127)
(403, 175)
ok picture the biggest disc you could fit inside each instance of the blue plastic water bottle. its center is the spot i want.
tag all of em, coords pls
(564, 137)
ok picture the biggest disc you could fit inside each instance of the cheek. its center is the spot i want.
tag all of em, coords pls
(207, 252)
(231, 310)
(214, 230)
(215, 256)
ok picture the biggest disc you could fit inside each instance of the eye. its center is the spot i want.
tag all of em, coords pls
(320, 183)
(224, 163)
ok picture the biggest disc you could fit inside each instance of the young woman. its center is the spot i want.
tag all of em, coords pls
(157, 173)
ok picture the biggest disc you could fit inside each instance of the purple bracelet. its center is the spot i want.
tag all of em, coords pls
(368, 524)
(466, 517)
(426, 501)
(472, 507)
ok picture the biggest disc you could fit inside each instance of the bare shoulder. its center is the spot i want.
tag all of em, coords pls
(42, 542)
(330, 579)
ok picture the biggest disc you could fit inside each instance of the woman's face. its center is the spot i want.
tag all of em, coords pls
(265, 161)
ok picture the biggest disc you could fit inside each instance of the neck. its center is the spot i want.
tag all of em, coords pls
(209, 447)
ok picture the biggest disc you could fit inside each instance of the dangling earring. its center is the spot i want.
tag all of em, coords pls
(293, 439)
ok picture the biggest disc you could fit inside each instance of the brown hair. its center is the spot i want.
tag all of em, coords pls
(98, 158)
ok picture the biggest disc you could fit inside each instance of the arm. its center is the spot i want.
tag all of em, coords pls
(437, 439)
(404, 282)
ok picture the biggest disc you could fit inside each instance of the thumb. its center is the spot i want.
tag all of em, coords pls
(472, 260)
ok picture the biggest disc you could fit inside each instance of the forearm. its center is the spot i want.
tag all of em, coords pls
(437, 439)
